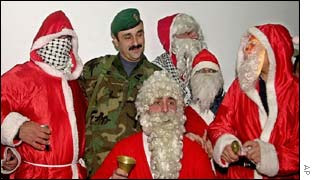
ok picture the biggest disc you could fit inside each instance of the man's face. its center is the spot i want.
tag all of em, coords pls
(130, 43)
(255, 63)
(164, 127)
(205, 85)
(254, 49)
(187, 35)
(164, 104)
(185, 46)
(207, 70)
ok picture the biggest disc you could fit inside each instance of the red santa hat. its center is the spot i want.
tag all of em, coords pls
(204, 59)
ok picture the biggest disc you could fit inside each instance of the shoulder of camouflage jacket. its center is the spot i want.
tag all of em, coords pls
(95, 66)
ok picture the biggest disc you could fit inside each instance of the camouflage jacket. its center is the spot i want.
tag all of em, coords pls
(111, 112)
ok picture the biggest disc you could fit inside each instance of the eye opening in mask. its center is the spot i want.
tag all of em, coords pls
(206, 70)
(65, 37)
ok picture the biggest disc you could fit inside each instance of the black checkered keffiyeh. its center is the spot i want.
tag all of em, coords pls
(164, 62)
(56, 53)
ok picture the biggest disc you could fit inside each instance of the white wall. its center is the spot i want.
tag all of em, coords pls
(223, 23)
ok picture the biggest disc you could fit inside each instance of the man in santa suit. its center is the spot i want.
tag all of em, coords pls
(43, 107)
(206, 84)
(161, 150)
(182, 39)
(260, 110)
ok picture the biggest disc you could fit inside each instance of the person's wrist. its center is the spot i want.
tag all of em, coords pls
(17, 136)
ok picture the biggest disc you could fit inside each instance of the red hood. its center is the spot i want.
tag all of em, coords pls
(282, 47)
(280, 82)
(164, 29)
(278, 43)
(55, 25)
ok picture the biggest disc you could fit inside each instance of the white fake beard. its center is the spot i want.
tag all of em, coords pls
(165, 134)
(204, 88)
(185, 51)
(247, 74)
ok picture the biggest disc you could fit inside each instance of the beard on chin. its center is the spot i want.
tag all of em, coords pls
(185, 50)
(204, 88)
(165, 134)
(247, 72)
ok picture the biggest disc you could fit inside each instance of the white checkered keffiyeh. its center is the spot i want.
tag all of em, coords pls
(56, 53)
(164, 62)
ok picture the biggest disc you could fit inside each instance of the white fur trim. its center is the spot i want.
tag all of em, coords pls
(73, 123)
(17, 155)
(269, 163)
(254, 96)
(75, 173)
(40, 42)
(296, 40)
(10, 127)
(270, 85)
(146, 149)
(49, 69)
(205, 64)
(207, 116)
(172, 32)
(222, 141)
(267, 123)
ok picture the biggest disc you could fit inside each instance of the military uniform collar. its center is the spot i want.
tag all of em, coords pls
(117, 63)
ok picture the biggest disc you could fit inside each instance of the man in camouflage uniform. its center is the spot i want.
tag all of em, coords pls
(111, 84)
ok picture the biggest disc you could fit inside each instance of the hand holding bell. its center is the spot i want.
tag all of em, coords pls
(235, 146)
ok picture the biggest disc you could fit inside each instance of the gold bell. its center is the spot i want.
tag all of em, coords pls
(126, 163)
(235, 146)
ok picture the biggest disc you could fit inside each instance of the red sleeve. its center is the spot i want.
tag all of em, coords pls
(226, 114)
(288, 151)
(10, 96)
(108, 166)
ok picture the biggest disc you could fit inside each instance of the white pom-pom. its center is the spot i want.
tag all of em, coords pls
(296, 40)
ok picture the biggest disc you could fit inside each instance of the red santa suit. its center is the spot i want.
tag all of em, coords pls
(35, 91)
(192, 167)
(197, 122)
(242, 116)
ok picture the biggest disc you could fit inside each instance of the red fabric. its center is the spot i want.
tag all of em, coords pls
(53, 24)
(238, 115)
(205, 55)
(30, 91)
(283, 54)
(59, 21)
(194, 122)
(164, 30)
(195, 162)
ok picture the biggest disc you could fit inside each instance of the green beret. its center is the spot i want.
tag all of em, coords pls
(124, 20)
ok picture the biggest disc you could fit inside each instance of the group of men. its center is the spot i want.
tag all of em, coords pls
(60, 119)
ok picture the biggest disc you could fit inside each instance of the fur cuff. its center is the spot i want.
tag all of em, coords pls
(222, 141)
(10, 127)
(269, 163)
(17, 155)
